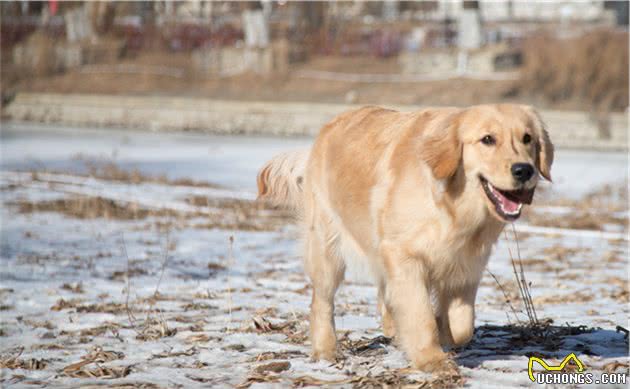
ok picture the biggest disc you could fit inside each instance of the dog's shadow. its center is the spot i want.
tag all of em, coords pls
(492, 342)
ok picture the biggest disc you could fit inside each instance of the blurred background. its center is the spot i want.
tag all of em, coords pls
(555, 54)
(131, 134)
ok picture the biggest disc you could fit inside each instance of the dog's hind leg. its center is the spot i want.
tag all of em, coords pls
(326, 269)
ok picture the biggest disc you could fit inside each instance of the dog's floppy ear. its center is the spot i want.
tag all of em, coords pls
(441, 147)
(544, 147)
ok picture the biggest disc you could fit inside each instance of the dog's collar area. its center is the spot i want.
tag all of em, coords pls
(507, 203)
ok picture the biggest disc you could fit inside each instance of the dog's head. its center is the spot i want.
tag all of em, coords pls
(499, 149)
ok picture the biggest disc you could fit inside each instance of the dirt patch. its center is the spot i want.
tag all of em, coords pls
(288, 87)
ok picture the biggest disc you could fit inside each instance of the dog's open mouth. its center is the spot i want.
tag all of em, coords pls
(507, 203)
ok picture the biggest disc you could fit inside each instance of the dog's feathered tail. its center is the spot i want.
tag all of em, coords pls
(280, 180)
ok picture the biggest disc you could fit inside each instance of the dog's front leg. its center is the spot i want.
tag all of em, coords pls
(457, 315)
(389, 329)
(407, 295)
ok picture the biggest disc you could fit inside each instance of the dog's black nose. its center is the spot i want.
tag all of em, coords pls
(522, 171)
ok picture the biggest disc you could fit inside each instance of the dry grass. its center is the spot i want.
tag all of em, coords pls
(99, 372)
(521, 339)
(15, 362)
(386, 379)
(110, 171)
(62, 304)
(558, 253)
(242, 214)
(74, 288)
(364, 347)
(269, 355)
(524, 286)
(293, 329)
(120, 275)
(100, 330)
(155, 328)
(39, 324)
(616, 365)
(621, 293)
(192, 306)
(593, 211)
(170, 354)
(106, 307)
(85, 207)
(565, 298)
(198, 338)
(227, 214)
(606, 198)
(367, 348)
(579, 220)
(273, 367)
(589, 72)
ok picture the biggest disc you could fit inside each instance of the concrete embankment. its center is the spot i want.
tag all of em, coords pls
(569, 129)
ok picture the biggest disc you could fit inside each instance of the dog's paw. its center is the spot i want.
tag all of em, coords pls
(389, 328)
(446, 367)
(435, 361)
(389, 331)
(328, 355)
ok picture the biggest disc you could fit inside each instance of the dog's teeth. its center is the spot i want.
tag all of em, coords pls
(518, 210)
(498, 196)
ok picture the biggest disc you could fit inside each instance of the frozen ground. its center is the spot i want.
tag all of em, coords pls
(173, 281)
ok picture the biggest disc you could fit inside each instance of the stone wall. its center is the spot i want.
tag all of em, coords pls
(567, 128)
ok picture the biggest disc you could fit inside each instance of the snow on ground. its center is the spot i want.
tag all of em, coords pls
(111, 280)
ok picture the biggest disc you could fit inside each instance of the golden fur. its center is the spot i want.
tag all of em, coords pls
(402, 192)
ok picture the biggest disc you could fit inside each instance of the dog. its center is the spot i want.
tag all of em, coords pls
(418, 199)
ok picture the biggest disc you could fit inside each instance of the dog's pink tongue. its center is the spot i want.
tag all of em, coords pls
(508, 205)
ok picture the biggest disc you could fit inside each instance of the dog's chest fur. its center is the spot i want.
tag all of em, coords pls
(453, 238)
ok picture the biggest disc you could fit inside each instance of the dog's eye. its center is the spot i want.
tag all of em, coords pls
(488, 140)
(527, 138)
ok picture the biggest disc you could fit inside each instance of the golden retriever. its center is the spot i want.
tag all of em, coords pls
(420, 198)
